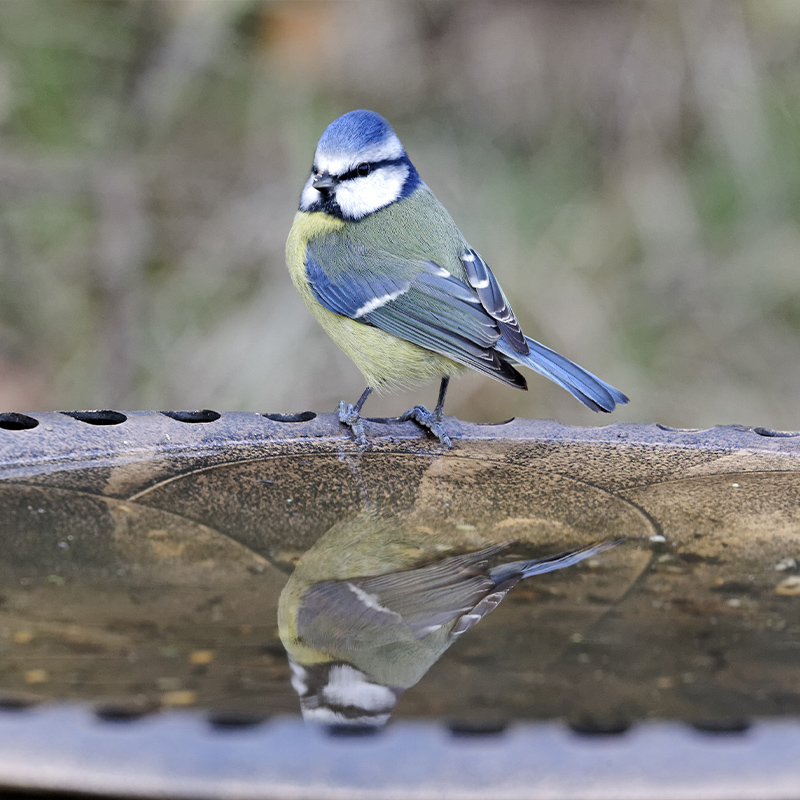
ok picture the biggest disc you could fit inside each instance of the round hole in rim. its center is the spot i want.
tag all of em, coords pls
(352, 731)
(722, 726)
(301, 416)
(114, 713)
(466, 728)
(236, 721)
(99, 417)
(14, 704)
(591, 727)
(670, 429)
(12, 421)
(201, 415)
(776, 434)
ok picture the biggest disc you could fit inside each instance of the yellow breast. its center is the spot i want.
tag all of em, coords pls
(385, 361)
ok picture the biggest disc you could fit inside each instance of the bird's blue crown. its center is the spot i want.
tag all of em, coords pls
(355, 132)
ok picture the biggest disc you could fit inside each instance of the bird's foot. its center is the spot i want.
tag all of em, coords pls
(348, 415)
(430, 420)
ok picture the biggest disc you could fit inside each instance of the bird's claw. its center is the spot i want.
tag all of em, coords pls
(350, 417)
(430, 420)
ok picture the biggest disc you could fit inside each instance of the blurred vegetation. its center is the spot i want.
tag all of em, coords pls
(630, 170)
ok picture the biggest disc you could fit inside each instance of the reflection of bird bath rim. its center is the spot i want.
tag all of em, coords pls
(177, 755)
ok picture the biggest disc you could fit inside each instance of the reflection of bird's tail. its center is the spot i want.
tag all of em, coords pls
(538, 566)
(589, 389)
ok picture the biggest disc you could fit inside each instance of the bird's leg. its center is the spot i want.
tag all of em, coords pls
(432, 420)
(351, 416)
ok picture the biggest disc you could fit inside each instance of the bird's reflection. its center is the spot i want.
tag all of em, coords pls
(373, 605)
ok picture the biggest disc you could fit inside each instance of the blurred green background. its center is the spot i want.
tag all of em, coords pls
(630, 171)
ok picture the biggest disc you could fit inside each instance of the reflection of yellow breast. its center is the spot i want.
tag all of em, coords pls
(385, 361)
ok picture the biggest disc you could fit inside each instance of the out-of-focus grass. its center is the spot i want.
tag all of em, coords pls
(631, 172)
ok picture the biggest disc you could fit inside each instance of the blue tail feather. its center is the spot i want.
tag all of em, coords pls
(589, 389)
(538, 566)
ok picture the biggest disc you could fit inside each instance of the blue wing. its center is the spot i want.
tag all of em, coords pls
(418, 301)
(372, 610)
(353, 298)
(415, 300)
(491, 296)
(469, 321)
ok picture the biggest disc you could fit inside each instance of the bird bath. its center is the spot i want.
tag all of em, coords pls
(145, 553)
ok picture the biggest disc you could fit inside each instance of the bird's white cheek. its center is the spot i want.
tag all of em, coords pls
(299, 678)
(350, 687)
(361, 196)
(309, 195)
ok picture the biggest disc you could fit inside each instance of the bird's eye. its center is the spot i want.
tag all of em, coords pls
(363, 169)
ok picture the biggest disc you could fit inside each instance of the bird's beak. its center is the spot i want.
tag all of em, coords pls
(323, 182)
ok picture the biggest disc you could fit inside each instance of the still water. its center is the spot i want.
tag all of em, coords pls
(144, 577)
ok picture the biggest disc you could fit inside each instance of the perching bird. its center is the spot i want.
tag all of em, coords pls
(362, 620)
(384, 269)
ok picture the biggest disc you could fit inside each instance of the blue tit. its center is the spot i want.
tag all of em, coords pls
(386, 272)
(362, 620)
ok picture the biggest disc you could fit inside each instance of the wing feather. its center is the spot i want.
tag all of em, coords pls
(415, 300)
(491, 296)
(399, 606)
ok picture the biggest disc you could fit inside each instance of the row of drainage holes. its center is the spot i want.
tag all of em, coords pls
(12, 421)
(459, 728)
(768, 432)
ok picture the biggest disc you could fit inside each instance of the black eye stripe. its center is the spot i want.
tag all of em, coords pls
(373, 165)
